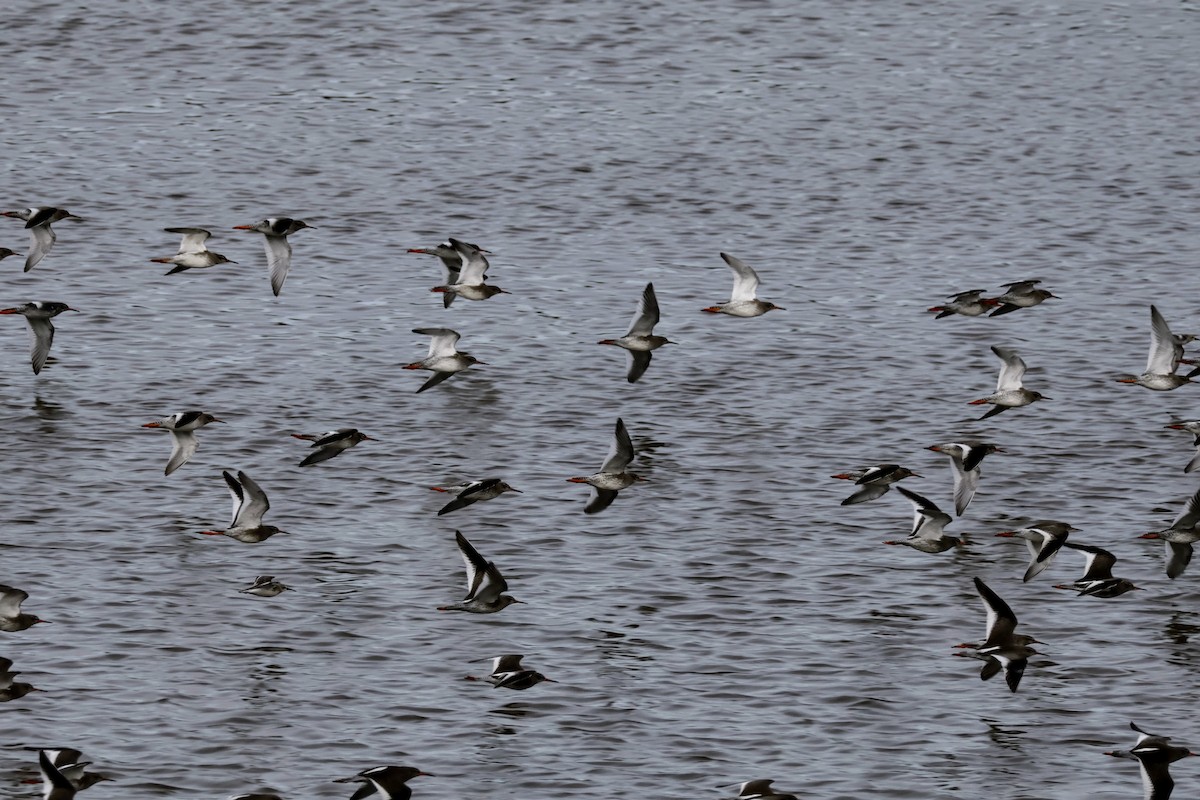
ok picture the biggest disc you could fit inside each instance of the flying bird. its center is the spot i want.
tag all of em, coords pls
(508, 673)
(1021, 294)
(1009, 391)
(1154, 754)
(1097, 579)
(1166, 353)
(743, 302)
(970, 303)
(11, 618)
(389, 782)
(473, 492)
(183, 427)
(41, 237)
(330, 443)
(965, 458)
(1002, 649)
(640, 339)
(265, 586)
(444, 359)
(193, 253)
(38, 314)
(485, 584)
(1044, 539)
(929, 523)
(1180, 537)
(452, 263)
(249, 505)
(612, 476)
(875, 481)
(469, 283)
(275, 231)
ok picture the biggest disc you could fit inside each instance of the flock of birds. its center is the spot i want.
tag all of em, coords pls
(1002, 650)
(63, 770)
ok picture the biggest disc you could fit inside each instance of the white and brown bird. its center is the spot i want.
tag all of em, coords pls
(640, 340)
(1044, 539)
(249, 505)
(761, 790)
(1166, 353)
(265, 586)
(1179, 538)
(452, 264)
(275, 231)
(473, 492)
(193, 252)
(41, 236)
(183, 426)
(469, 283)
(55, 785)
(1021, 294)
(1154, 754)
(485, 585)
(444, 359)
(1097, 579)
(743, 301)
(612, 476)
(330, 443)
(1010, 393)
(874, 481)
(929, 523)
(1002, 648)
(965, 458)
(970, 303)
(508, 673)
(388, 782)
(11, 618)
(38, 314)
(1193, 427)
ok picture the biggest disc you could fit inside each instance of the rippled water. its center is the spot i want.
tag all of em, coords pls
(726, 619)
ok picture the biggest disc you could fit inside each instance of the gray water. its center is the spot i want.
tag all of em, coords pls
(724, 620)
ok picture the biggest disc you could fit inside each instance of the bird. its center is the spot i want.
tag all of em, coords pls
(929, 522)
(69, 762)
(1165, 356)
(443, 359)
(743, 302)
(265, 586)
(249, 505)
(10, 688)
(193, 253)
(875, 481)
(330, 443)
(761, 790)
(1009, 391)
(640, 340)
(1021, 294)
(1097, 579)
(255, 796)
(1154, 754)
(41, 236)
(469, 283)
(507, 673)
(1002, 649)
(389, 782)
(1044, 539)
(965, 458)
(612, 476)
(451, 261)
(1192, 427)
(11, 618)
(183, 426)
(1180, 537)
(473, 492)
(38, 314)
(55, 785)
(5, 253)
(485, 584)
(279, 250)
(970, 303)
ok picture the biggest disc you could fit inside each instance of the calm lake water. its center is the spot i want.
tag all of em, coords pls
(725, 620)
